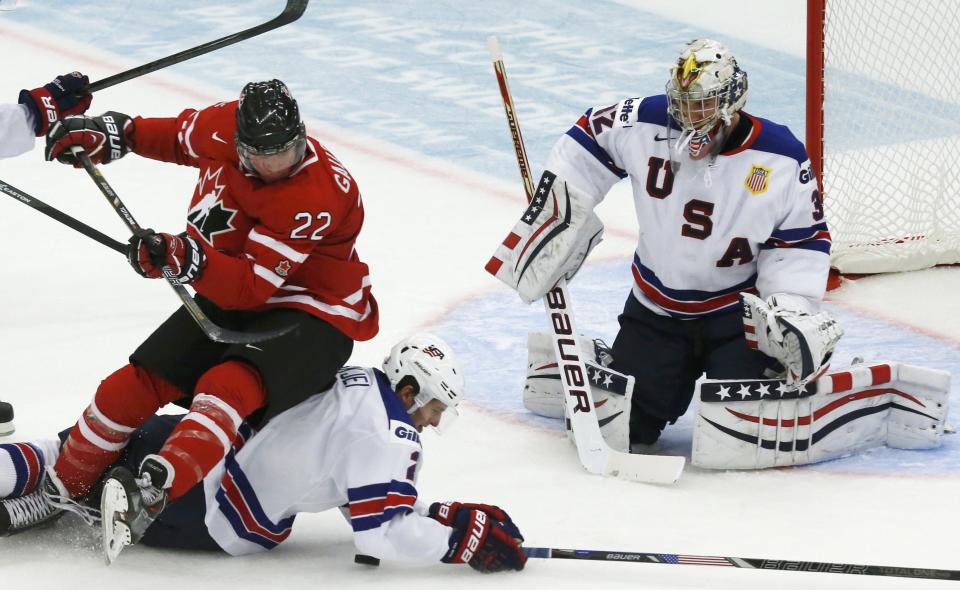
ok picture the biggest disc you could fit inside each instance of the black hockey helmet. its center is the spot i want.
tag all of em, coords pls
(268, 121)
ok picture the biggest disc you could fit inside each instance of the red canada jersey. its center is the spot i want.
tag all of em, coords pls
(289, 243)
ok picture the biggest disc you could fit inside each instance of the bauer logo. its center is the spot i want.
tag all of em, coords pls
(404, 434)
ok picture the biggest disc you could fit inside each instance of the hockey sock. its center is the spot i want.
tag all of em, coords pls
(21, 467)
(123, 402)
(226, 394)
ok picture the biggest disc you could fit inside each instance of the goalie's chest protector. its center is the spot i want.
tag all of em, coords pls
(702, 227)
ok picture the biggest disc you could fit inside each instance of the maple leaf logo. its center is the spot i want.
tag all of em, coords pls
(209, 216)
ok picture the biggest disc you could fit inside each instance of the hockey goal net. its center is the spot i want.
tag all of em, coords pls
(883, 130)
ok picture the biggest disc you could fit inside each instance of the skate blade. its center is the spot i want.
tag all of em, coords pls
(115, 533)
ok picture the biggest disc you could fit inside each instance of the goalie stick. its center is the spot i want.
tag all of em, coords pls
(594, 452)
(212, 330)
(745, 563)
(291, 12)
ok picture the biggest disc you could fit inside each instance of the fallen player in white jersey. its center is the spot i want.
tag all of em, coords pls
(355, 446)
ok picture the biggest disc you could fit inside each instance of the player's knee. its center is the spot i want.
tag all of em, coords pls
(237, 384)
(130, 395)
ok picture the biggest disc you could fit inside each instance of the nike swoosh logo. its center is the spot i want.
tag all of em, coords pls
(217, 138)
(658, 138)
(254, 347)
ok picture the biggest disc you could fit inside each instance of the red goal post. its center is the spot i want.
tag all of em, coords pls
(883, 130)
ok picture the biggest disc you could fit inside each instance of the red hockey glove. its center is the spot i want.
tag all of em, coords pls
(149, 252)
(480, 540)
(447, 512)
(56, 100)
(105, 138)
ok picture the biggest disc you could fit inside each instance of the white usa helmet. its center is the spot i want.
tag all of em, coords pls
(428, 363)
(706, 84)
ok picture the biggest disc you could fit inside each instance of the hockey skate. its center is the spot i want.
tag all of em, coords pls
(6, 419)
(26, 512)
(128, 506)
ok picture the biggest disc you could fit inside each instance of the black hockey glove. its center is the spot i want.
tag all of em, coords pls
(105, 138)
(150, 252)
(478, 539)
(56, 100)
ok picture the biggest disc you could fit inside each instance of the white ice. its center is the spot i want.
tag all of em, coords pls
(72, 311)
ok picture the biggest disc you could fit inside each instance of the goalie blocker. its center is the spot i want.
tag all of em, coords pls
(755, 424)
(551, 240)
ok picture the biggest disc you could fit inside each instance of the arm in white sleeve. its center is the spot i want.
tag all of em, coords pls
(380, 474)
(16, 130)
(796, 257)
(587, 155)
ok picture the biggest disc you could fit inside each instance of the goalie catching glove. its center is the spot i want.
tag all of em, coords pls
(783, 328)
(551, 240)
(484, 536)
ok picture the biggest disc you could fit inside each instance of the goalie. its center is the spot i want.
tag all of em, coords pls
(727, 204)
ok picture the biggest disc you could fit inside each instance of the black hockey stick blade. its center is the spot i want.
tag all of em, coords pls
(53, 212)
(212, 330)
(293, 10)
(744, 562)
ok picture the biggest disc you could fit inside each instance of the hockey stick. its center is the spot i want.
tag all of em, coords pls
(213, 331)
(75, 224)
(745, 563)
(293, 10)
(594, 452)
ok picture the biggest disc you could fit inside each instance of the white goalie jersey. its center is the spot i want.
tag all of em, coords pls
(751, 221)
(351, 446)
(16, 130)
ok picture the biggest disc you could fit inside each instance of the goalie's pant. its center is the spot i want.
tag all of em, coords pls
(667, 355)
(222, 384)
(180, 525)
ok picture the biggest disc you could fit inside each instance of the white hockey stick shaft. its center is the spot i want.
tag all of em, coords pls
(594, 453)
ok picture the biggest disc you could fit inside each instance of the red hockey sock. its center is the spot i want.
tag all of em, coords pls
(124, 401)
(225, 395)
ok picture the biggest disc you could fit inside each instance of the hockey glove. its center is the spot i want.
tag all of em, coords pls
(479, 539)
(783, 328)
(105, 138)
(447, 512)
(154, 255)
(56, 100)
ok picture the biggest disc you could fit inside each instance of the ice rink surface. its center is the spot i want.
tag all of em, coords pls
(404, 95)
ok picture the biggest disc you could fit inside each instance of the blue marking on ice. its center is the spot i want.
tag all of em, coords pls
(490, 331)
(418, 74)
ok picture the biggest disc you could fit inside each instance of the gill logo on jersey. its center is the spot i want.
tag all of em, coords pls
(403, 433)
(209, 216)
(758, 179)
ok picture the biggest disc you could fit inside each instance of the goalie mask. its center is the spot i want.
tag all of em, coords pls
(427, 363)
(706, 86)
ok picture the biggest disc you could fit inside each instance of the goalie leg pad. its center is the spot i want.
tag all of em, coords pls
(755, 424)
(551, 240)
(612, 391)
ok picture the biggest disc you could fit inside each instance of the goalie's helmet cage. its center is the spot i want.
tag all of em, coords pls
(705, 85)
(427, 362)
(268, 121)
